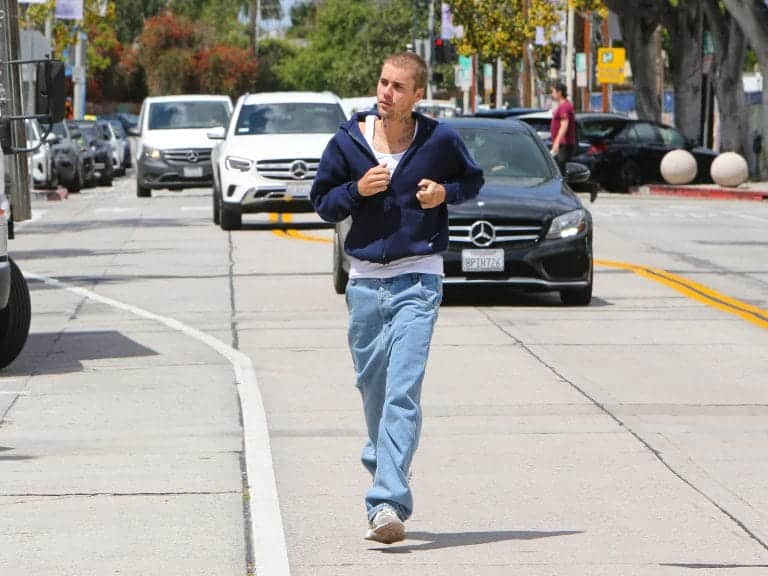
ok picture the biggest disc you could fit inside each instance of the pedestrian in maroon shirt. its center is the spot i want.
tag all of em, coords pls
(563, 127)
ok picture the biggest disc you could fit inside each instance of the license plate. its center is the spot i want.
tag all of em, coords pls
(196, 172)
(482, 260)
(298, 188)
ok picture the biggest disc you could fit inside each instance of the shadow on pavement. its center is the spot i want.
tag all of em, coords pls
(64, 352)
(695, 566)
(454, 295)
(438, 540)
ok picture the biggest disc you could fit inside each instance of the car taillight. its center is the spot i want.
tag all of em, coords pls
(597, 148)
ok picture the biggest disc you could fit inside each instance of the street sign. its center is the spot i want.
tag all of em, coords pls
(465, 73)
(610, 65)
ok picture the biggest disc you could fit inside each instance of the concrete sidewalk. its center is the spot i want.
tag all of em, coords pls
(756, 191)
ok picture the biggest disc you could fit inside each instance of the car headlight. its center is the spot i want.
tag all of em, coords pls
(150, 152)
(568, 225)
(238, 163)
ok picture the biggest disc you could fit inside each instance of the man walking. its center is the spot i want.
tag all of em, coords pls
(562, 127)
(393, 171)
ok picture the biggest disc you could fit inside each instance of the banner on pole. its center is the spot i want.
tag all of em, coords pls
(69, 9)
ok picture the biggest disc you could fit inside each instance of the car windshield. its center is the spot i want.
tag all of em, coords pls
(289, 118)
(176, 115)
(118, 128)
(505, 155)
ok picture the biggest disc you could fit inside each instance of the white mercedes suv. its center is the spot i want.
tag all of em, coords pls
(267, 157)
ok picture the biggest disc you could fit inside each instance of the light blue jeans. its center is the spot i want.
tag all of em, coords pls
(390, 328)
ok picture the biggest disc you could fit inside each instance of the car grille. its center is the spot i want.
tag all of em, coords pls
(290, 169)
(486, 233)
(188, 155)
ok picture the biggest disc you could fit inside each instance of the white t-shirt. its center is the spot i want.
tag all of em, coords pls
(428, 264)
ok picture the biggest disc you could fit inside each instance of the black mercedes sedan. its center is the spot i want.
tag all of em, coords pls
(526, 230)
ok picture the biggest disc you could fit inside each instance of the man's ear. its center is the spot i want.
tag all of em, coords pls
(420, 94)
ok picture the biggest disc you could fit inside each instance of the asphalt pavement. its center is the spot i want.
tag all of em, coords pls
(184, 407)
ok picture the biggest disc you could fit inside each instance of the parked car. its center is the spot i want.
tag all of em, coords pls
(505, 113)
(100, 149)
(622, 152)
(41, 165)
(541, 122)
(128, 121)
(105, 135)
(122, 137)
(526, 229)
(73, 160)
(174, 151)
(267, 158)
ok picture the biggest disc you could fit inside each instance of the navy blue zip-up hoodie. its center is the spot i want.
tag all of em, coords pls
(392, 224)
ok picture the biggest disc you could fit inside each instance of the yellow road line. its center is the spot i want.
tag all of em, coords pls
(696, 291)
(295, 234)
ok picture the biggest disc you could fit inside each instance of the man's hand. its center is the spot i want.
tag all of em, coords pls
(375, 181)
(430, 193)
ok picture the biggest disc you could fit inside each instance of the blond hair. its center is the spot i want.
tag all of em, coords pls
(414, 62)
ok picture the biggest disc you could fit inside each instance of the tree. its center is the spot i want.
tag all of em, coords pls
(730, 52)
(345, 48)
(752, 17)
(684, 22)
(494, 29)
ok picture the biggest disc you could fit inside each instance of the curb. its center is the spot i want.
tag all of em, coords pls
(711, 192)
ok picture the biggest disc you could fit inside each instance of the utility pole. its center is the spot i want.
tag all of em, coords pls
(585, 92)
(606, 34)
(569, 57)
(78, 77)
(428, 48)
(11, 105)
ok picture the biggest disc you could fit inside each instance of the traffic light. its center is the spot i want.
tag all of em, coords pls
(439, 50)
(444, 50)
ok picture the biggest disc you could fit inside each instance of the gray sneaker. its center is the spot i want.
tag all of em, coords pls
(386, 527)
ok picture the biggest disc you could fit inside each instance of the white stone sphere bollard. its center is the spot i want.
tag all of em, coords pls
(729, 169)
(678, 167)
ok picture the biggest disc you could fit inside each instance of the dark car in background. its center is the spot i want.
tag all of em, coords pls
(73, 160)
(504, 113)
(100, 148)
(622, 152)
(127, 121)
(122, 136)
(526, 230)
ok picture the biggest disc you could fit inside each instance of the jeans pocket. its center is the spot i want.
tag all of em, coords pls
(432, 288)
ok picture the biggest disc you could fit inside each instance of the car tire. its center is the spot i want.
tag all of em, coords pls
(629, 176)
(76, 184)
(230, 219)
(105, 179)
(14, 318)
(340, 276)
(578, 296)
(143, 191)
(216, 207)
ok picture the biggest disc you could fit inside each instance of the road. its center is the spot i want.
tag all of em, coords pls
(627, 437)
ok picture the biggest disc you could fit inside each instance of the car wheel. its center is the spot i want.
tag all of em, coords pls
(230, 219)
(105, 178)
(629, 176)
(76, 184)
(340, 276)
(216, 207)
(142, 191)
(578, 296)
(14, 318)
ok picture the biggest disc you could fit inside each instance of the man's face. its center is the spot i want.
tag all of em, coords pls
(396, 92)
(555, 95)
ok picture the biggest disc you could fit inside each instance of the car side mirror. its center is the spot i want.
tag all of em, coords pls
(134, 131)
(50, 96)
(218, 133)
(51, 138)
(576, 173)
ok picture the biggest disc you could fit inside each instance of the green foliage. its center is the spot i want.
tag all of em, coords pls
(303, 16)
(271, 53)
(502, 29)
(348, 43)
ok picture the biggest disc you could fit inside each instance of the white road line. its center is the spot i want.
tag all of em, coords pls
(14, 392)
(269, 550)
(751, 217)
(196, 208)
